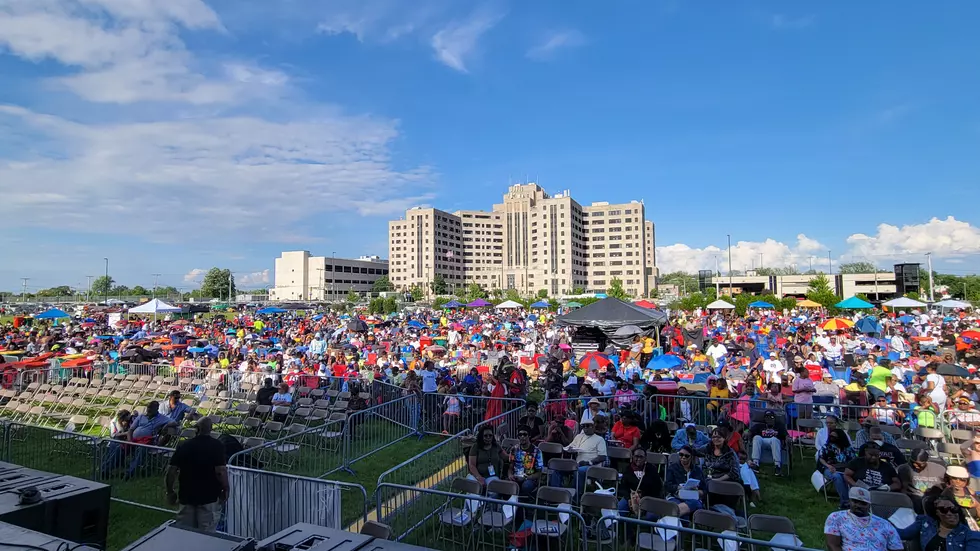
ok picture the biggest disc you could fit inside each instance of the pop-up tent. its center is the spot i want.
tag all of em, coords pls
(904, 302)
(541, 304)
(720, 305)
(509, 304)
(952, 303)
(609, 314)
(51, 314)
(155, 306)
(854, 303)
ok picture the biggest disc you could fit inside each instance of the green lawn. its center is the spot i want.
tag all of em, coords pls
(794, 497)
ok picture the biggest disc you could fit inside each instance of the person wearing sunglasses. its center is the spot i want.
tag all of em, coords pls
(678, 473)
(856, 529)
(640, 480)
(527, 463)
(957, 483)
(943, 526)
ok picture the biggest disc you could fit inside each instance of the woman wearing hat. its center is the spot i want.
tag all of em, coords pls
(957, 483)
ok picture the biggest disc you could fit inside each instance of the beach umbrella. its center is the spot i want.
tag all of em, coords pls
(868, 325)
(854, 303)
(415, 324)
(971, 334)
(952, 370)
(666, 361)
(594, 360)
(761, 304)
(906, 319)
(627, 331)
(836, 323)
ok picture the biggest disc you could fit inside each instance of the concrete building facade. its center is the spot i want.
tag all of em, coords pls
(877, 287)
(531, 241)
(301, 276)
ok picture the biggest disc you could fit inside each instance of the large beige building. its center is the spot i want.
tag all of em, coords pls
(529, 242)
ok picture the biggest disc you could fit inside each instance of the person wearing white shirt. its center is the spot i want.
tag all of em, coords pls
(716, 351)
(935, 385)
(834, 350)
(605, 386)
(897, 344)
(772, 368)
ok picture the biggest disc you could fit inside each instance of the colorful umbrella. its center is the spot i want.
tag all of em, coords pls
(971, 334)
(593, 360)
(836, 323)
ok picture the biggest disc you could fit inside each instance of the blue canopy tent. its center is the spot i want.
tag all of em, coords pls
(854, 303)
(52, 314)
(541, 304)
(271, 310)
(453, 304)
(761, 304)
(868, 325)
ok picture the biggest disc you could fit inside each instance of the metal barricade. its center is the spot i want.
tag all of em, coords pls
(505, 424)
(371, 430)
(437, 416)
(261, 503)
(313, 452)
(612, 532)
(433, 467)
(446, 520)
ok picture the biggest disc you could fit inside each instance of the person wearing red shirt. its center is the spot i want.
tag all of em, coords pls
(626, 431)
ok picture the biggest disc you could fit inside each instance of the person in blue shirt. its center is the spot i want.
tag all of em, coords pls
(690, 436)
(175, 409)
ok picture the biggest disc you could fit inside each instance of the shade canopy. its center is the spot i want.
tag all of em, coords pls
(854, 303)
(155, 306)
(904, 302)
(645, 304)
(541, 304)
(720, 305)
(951, 303)
(609, 314)
(52, 314)
(453, 304)
(868, 325)
(509, 304)
(761, 304)
(807, 303)
(478, 303)
(271, 310)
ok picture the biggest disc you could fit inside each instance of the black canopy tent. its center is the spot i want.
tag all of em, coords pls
(609, 314)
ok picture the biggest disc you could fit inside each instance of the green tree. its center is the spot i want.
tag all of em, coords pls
(352, 296)
(616, 290)
(417, 292)
(512, 294)
(542, 293)
(786, 270)
(497, 294)
(438, 285)
(819, 290)
(102, 285)
(218, 284)
(912, 295)
(120, 290)
(166, 291)
(473, 292)
(684, 281)
(577, 290)
(858, 268)
(60, 291)
(376, 305)
(382, 285)
(390, 305)
(139, 290)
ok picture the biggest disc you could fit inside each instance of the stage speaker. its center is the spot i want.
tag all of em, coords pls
(703, 277)
(170, 536)
(907, 278)
(69, 508)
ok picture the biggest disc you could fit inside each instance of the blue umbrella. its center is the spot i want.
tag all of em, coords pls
(666, 361)
(532, 317)
(52, 314)
(906, 319)
(761, 304)
(868, 325)
(272, 310)
(416, 324)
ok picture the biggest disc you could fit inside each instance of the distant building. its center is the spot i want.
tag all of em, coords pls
(531, 241)
(877, 287)
(300, 276)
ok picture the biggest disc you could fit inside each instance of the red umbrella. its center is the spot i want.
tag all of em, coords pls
(594, 360)
(645, 304)
(971, 334)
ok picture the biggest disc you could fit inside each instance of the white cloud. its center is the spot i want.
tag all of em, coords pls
(125, 51)
(787, 22)
(457, 41)
(947, 238)
(252, 279)
(745, 255)
(195, 275)
(220, 175)
(555, 41)
(374, 20)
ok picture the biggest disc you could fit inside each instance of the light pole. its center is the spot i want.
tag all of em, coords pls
(155, 278)
(932, 296)
(106, 281)
(730, 286)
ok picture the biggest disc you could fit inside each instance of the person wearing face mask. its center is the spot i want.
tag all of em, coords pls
(943, 527)
(890, 453)
(918, 475)
(856, 529)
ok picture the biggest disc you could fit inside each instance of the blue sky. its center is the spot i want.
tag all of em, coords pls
(175, 136)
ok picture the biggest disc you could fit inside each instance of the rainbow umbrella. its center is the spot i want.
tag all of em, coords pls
(836, 323)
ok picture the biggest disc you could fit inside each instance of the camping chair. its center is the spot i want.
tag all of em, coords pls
(457, 517)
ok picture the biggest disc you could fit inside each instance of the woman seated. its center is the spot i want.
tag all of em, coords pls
(640, 480)
(943, 526)
(678, 474)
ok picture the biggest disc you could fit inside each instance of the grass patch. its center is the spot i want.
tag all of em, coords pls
(128, 523)
(793, 497)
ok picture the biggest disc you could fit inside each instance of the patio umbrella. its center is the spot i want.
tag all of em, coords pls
(868, 325)
(971, 334)
(594, 360)
(854, 303)
(627, 331)
(666, 361)
(807, 303)
(836, 323)
(952, 370)
(906, 319)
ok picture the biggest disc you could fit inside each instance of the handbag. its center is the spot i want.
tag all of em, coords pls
(635, 495)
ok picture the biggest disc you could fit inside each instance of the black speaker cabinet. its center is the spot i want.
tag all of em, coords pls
(169, 537)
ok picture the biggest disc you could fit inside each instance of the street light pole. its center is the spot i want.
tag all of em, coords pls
(106, 281)
(155, 278)
(731, 292)
(932, 296)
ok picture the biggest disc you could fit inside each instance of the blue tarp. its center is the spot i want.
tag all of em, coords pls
(666, 361)
(52, 314)
(271, 310)
(854, 303)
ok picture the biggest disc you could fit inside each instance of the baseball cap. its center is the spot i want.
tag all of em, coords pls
(686, 425)
(857, 493)
(956, 471)
(772, 354)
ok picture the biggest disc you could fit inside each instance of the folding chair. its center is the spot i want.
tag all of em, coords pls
(550, 450)
(619, 457)
(884, 504)
(729, 489)
(569, 467)
(710, 521)
(770, 524)
(605, 477)
(548, 524)
(648, 537)
(952, 454)
(591, 506)
(494, 520)
(807, 425)
(958, 436)
(457, 518)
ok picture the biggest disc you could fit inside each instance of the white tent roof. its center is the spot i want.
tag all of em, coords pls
(951, 303)
(904, 302)
(509, 304)
(155, 306)
(720, 305)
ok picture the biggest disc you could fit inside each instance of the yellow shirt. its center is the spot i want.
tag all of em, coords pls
(716, 392)
(258, 325)
(648, 345)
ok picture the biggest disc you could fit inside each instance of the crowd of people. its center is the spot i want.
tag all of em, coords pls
(717, 394)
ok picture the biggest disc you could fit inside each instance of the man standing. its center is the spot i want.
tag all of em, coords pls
(199, 466)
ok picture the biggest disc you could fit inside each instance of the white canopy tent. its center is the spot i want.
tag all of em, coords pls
(904, 302)
(952, 303)
(155, 306)
(720, 305)
(509, 304)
